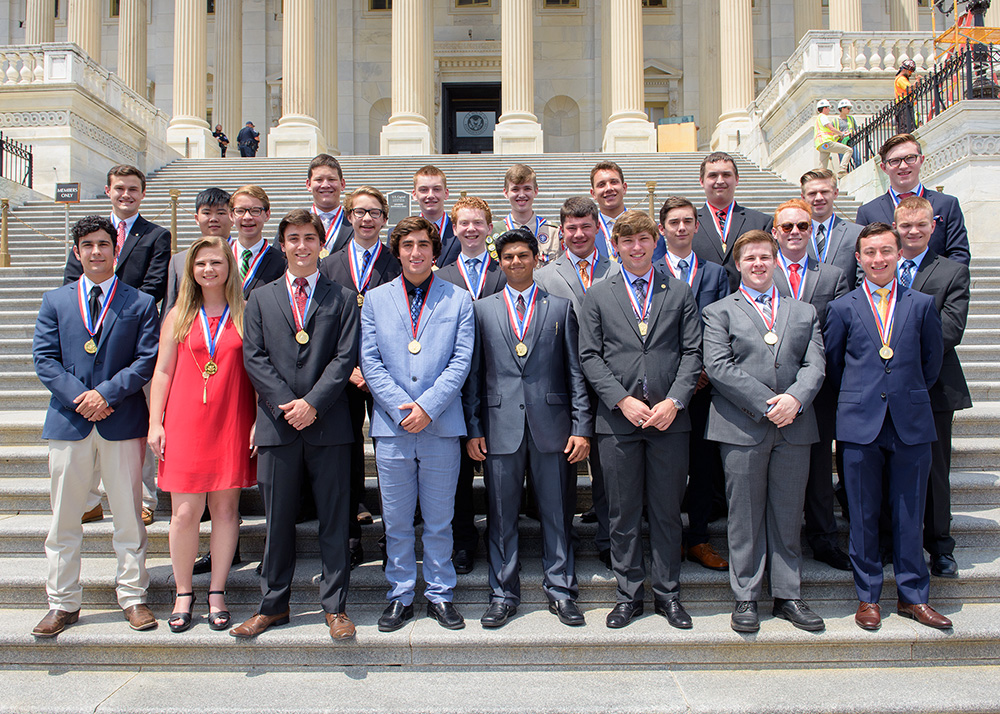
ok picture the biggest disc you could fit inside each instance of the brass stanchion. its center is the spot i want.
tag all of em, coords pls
(651, 189)
(175, 195)
(4, 247)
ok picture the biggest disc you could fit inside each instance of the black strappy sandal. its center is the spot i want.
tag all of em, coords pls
(217, 620)
(181, 621)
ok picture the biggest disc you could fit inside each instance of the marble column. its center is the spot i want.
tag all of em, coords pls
(188, 132)
(808, 16)
(709, 97)
(518, 131)
(408, 132)
(903, 15)
(628, 129)
(132, 45)
(736, 60)
(228, 109)
(297, 133)
(326, 71)
(993, 14)
(39, 22)
(845, 15)
(83, 26)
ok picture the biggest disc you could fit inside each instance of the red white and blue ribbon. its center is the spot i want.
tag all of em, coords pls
(360, 279)
(643, 311)
(333, 229)
(603, 225)
(594, 257)
(478, 289)
(691, 273)
(440, 224)
(300, 319)
(775, 299)
(724, 229)
(520, 327)
(511, 224)
(254, 265)
(884, 329)
(802, 274)
(91, 326)
(212, 340)
(919, 191)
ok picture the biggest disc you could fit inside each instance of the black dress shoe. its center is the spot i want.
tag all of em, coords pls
(588, 516)
(204, 563)
(623, 613)
(395, 616)
(497, 614)
(446, 615)
(568, 612)
(674, 612)
(944, 566)
(464, 561)
(357, 556)
(799, 614)
(744, 617)
(605, 557)
(832, 556)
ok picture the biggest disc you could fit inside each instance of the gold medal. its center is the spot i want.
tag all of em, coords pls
(361, 300)
(302, 337)
(643, 328)
(324, 253)
(770, 338)
(520, 349)
(90, 347)
(413, 347)
(211, 368)
(885, 352)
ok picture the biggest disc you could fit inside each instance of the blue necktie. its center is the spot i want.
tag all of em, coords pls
(906, 275)
(472, 268)
(640, 290)
(765, 300)
(415, 304)
(683, 265)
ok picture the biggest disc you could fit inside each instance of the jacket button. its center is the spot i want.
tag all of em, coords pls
(299, 365)
(413, 378)
(521, 405)
(888, 370)
(777, 366)
(883, 395)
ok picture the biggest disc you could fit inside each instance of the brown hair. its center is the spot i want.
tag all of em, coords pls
(430, 170)
(715, 157)
(632, 222)
(127, 170)
(798, 203)
(367, 191)
(606, 166)
(818, 175)
(300, 217)
(877, 229)
(518, 174)
(913, 203)
(674, 202)
(252, 191)
(752, 238)
(414, 224)
(895, 141)
(189, 297)
(328, 161)
(578, 207)
(473, 202)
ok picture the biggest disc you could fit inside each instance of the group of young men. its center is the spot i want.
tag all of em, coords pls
(704, 361)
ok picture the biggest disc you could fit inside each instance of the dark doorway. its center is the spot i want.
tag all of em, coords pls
(470, 113)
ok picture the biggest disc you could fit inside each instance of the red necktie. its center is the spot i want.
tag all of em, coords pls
(906, 195)
(794, 278)
(300, 296)
(120, 243)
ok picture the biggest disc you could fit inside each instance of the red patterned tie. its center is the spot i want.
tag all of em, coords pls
(120, 243)
(794, 278)
(300, 296)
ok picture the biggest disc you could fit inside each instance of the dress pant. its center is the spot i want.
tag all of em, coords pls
(283, 472)
(463, 523)
(821, 524)
(411, 467)
(765, 487)
(602, 539)
(77, 467)
(706, 475)
(937, 518)
(653, 464)
(906, 468)
(554, 490)
(359, 403)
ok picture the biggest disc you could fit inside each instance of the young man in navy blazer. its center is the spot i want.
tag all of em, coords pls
(94, 348)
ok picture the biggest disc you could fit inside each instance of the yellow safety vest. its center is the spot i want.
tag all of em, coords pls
(824, 133)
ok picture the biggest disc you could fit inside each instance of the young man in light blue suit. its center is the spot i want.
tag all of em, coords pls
(94, 349)
(415, 366)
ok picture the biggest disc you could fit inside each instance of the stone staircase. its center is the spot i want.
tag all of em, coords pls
(532, 664)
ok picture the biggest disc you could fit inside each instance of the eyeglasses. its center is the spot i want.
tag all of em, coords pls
(909, 160)
(375, 213)
(803, 226)
(255, 211)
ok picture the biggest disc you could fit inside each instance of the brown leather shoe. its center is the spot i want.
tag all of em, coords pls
(140, 617)
(147, 516)
(868, 616)
(94, 514)
(706, 556)
(258, 623)
(55, 622)
(341, 627)
(924, 614)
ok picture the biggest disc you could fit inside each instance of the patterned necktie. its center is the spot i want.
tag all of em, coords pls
(120, 243)
(245, 262)
(683, 265)
(95, 303)
(416, 303)
(640, 290)
(584, 267)
(883, 303)
(820, 239)
(794, 278)
(366, 260)
(300, 296)
(472, 268)
(765, 301)
(327, 219)
(906, 275)
(520, 307)
(906, 195)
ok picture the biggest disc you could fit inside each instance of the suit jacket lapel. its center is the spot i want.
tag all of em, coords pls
(345, 234)
(431, 301)
(735, 227)
(117, 303)
(710, 235)
(537, 318)
(863, 308)
(620, 288)
(381, 266)
(751, 312)
(284, 305)
(138, 230)
(923, 274)
(493, 274)
(322, 290)
(659, 288)
(811, 277)
(899, 318)
(780, 322)
(503, 322)
(566, 267)
(887, 208)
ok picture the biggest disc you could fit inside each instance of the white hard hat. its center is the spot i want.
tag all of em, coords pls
(844, 103)
(822, 103)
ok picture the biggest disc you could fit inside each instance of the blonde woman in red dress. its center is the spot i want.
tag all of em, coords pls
(201, 417)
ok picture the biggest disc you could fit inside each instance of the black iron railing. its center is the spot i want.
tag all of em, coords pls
(15, 161)
(970, 73)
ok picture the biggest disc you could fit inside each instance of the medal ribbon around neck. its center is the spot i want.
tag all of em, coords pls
(574, 261)
(212, 340)
(509, 223)
(644, 311)
(300, 320)
(361, 281)
(775, 299)
(93, 328)
(520, 328)
(254, 266)
(334, 229)
(826, 248)
(440, 225)
(802, 274)
(415, 326)
(478, 289)
(693, 271)
(919, 191)
(884, 330)
(607, 236)
(724, 230)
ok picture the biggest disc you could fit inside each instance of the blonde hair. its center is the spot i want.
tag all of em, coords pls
(189, 297)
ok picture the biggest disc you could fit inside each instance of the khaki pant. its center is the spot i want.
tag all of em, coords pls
(833, 147)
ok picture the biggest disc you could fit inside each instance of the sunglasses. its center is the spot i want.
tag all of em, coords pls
(803, 226)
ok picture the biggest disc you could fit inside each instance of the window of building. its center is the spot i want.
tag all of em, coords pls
(472, 3)
(654, 3)
(380, 4)
(561, 3)
(116, 8)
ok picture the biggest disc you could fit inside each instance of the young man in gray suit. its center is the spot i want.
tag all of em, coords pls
(640, 347)
(801, 276)
(833, 237)
(526, 402)
(764, 355)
